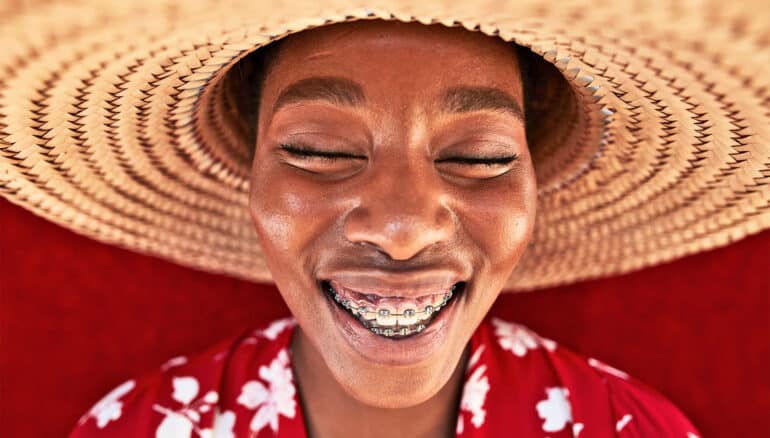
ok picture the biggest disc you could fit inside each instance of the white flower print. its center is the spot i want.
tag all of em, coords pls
(277, 327)
(182, 422)
(555, 410)
(109, 408)
(577, 428)
(272, 331)
(623, 422)
(173, 362)
(185, 389)
(253, 394)
(516, 338)
(224, 422)
(548, 344)
(173, 425)
(273, 399)
(474, 394)
(599, 365)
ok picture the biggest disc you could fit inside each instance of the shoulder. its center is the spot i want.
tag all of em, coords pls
(583, 394)
(636, 409)
(181, 394)
(181, 397)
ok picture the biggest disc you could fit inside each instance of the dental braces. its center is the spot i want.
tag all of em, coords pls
(369, 317)
(403, 331)
(408, 313)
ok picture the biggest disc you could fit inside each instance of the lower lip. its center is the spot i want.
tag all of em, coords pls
(394, 352)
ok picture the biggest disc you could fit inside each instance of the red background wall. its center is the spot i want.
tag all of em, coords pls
(78, 317)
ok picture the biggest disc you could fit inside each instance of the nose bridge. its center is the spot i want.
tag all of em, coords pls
(407, 189)
(402, 211)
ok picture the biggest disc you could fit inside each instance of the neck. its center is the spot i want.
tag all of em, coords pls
(329, 411)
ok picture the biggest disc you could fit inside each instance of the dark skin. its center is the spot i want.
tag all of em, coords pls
(393, 157)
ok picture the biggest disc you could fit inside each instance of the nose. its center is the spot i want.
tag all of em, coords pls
(401, 216)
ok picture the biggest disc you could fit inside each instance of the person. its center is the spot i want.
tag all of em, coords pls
(396, 182)
(393, 193)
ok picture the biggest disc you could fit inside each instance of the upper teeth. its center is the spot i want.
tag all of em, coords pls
(388, 322)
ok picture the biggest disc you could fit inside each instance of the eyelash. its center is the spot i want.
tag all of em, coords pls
(305, 152)
(491, 161)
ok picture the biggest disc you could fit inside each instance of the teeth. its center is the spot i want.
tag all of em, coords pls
(386, 317)
(407, 317)
(391, 320)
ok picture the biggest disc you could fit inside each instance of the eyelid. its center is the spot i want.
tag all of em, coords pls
(309, 152)
(490, 161)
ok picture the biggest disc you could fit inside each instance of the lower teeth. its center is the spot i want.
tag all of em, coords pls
(396, 331)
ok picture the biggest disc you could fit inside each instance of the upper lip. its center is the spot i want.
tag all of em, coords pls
(401, 284)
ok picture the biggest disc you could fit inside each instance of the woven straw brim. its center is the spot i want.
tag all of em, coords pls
(112, 123)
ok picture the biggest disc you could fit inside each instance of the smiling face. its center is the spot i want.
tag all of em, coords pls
(393, 194)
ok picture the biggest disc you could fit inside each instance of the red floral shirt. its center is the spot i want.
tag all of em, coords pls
(517, 384)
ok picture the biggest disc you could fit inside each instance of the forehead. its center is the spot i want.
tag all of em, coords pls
(391, 59)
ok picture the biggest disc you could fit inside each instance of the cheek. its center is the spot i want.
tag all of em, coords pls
(280, 216)
(275, 218)
(515, 232)
(501, 220)
(289, 213)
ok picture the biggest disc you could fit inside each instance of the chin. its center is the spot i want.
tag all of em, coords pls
(393, 387)
(397, 388)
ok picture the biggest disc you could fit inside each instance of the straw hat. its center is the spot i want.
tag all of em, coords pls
(114, 122)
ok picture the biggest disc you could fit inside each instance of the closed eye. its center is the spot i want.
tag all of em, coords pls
(304, 151)
(308, 152)
(489, 161)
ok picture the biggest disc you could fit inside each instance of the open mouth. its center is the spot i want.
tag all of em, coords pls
(392, 317)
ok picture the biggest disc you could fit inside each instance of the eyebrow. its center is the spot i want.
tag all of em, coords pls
(467, 99)
(342, 91)
(332, 89)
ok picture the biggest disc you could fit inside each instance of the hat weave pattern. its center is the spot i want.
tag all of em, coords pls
(112, 123)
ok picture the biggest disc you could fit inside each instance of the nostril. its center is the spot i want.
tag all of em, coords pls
(373, 246)
(401, 229)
